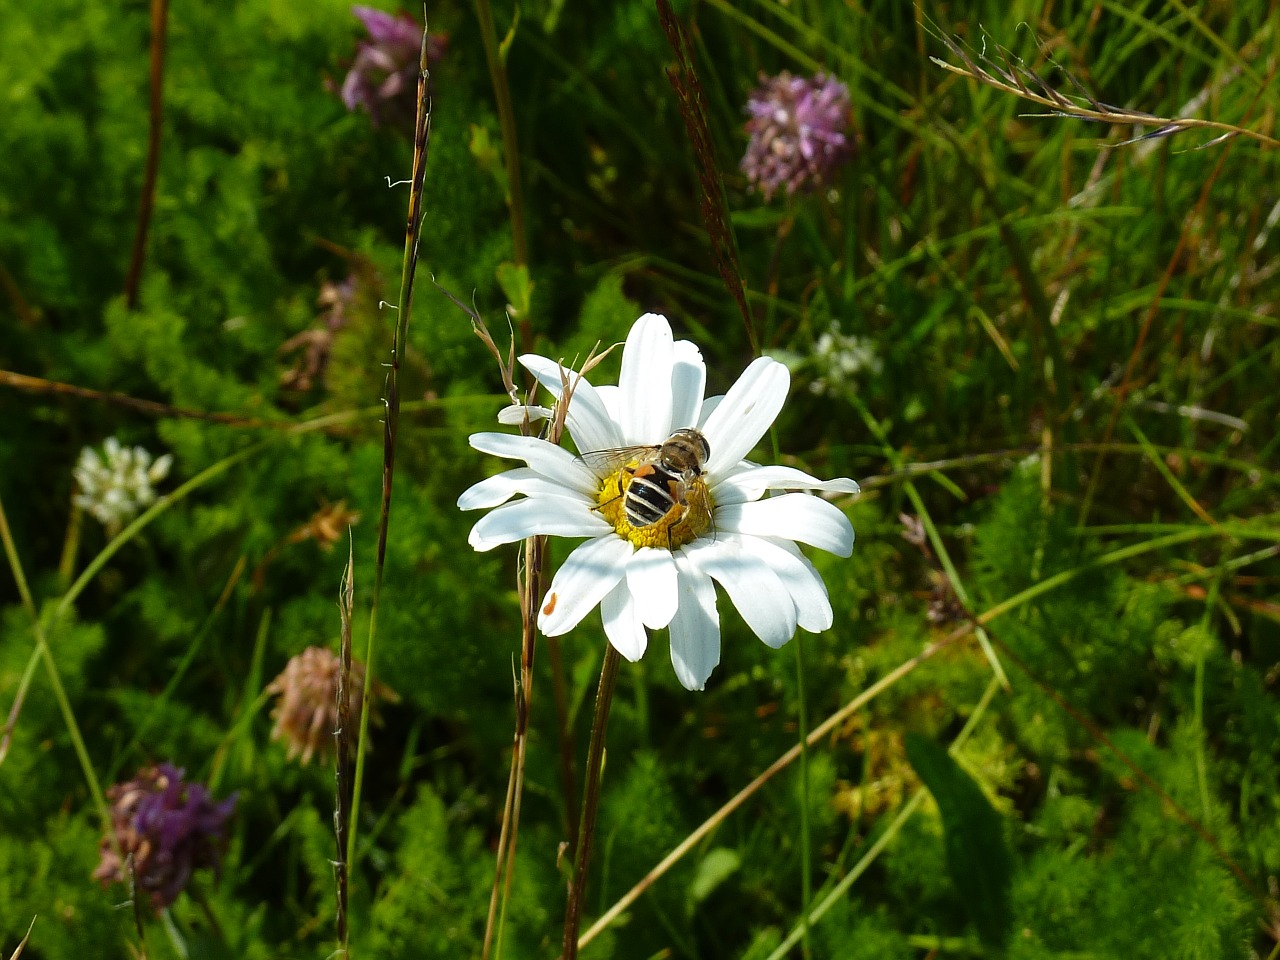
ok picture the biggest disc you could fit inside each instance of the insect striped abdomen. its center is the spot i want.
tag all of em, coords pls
(648, 498)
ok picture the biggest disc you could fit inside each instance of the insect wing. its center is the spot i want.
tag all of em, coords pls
(605, 462)
(699, 511)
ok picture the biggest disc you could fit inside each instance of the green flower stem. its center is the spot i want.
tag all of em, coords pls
(935, 539)
(70, 544)
(590, 802)
(1106, 560)
(1162, 468)
(55, 681)
(1202, 772)
(953, 577)
(806, 855)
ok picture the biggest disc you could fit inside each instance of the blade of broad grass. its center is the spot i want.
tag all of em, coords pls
(977, 853)
(806, 841)
(28, 604)
(391, 424)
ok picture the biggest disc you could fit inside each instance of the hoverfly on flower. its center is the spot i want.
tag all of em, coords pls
(656, 485)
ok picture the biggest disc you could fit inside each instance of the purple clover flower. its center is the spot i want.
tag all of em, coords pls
(383, 78)
(799, 131)
(170, 827)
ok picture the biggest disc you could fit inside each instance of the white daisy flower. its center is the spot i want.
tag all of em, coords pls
(118, 482)
(646, 568)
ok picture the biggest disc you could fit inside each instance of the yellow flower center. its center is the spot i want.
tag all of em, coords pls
(687, 519)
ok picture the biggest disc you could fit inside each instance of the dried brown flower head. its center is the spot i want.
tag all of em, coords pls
(306, 714)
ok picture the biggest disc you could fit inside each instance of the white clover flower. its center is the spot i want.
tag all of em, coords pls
(720, 528)
(840, 357)
(116, 483)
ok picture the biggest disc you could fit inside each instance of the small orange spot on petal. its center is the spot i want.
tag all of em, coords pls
(550, 606)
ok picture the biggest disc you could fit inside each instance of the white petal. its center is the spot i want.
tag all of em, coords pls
(647, 357)
(552, 516)
(588, 420)
(611, 397)
(748, 409)
(160, 469)
(651, 577)
(554, 463)
(754, 588)
(799, 576)
(688, 383)
(709, 407)
(622, 623)
(750, 483)
(514, 415)
(590, 572)
(695, 629)
(792, 516)
(502, 487)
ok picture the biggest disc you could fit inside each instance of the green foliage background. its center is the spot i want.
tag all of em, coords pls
(1001, 267)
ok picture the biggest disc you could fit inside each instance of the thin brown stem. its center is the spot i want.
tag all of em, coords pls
(391, 424)
(495, 57)
(590, 802)
(564, 736)
(1012, 75)
(530, 592)
(343, 744)
(20, 381)
(712, 200)
(159, 28)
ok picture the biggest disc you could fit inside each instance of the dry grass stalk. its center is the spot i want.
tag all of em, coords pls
(1010, 74)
